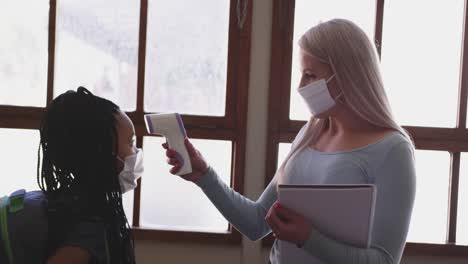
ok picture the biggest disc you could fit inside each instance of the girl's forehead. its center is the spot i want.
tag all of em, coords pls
(124, 122)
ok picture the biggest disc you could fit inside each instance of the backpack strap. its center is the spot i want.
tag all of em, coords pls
(17, 201)
(4, 229)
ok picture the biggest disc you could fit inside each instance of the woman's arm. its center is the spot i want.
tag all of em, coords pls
(246, 215)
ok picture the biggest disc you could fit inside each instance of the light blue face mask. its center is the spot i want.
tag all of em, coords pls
(132, 171)
(317, 97)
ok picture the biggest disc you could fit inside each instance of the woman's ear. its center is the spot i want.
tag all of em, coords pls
(340, 99)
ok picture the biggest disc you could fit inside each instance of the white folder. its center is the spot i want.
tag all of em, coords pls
(342, 212)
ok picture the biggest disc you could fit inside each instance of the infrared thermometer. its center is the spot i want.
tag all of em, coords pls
(170, 126)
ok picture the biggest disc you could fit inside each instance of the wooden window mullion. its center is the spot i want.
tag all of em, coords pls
(287, 13)
(137, 192)
(463, 89)
(142, 56)
(379, 13)
(461, 126)
(453, 197)
(51, 50)
(140, 100)
(278, 103)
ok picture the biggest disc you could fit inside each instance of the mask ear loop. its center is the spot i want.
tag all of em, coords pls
(340, 97)
(331, 77)
(341, 92)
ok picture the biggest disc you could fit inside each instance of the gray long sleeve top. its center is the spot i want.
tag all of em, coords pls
(388, 163)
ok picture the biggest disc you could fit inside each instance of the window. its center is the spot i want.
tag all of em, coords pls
(180, 205)
(422, 58)
(201, 49)
(21, 173)
(412, 69)
(142, 56)
(23, 30)
(97, 47)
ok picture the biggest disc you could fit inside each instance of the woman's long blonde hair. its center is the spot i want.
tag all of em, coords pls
(353, 58)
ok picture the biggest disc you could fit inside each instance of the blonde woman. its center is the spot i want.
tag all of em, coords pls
(351, 138)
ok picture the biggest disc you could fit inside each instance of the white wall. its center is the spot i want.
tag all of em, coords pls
(249, 252)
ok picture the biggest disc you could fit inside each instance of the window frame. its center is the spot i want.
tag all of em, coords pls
(281, 129)
(232, 126)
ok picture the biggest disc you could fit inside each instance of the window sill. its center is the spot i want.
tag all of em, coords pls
(230, 237)
(424, 249)
(415, 249)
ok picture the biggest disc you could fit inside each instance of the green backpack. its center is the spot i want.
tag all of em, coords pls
(23, 227)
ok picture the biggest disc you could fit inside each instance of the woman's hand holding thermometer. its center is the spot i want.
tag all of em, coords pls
(199, 165)
(187, 161)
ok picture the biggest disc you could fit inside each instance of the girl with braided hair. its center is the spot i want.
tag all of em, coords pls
(89, 159)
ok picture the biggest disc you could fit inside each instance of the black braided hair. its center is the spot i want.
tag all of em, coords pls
(79, 172)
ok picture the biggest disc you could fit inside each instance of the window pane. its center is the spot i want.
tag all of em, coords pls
(23, 52)
(19, 157)
(309, 13)
(429, 219)
(169, 202)
(127, 200)
(186, 56)
(462, 221)
(283, 150)
(421, 59)
(97, 47)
